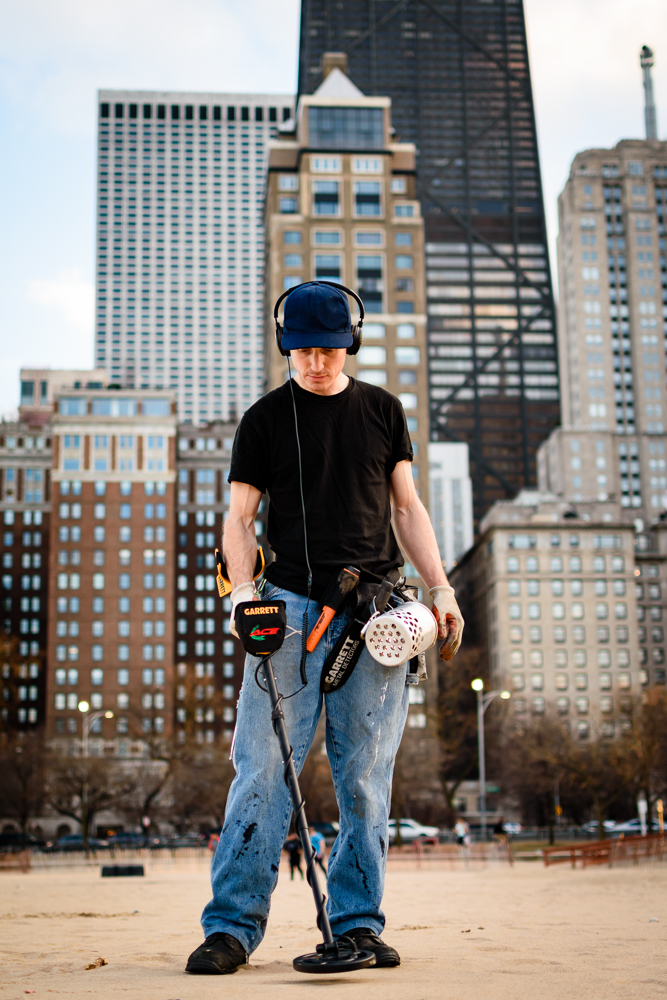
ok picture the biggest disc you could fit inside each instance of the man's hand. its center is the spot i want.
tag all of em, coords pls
(244, 592)
(449, 619)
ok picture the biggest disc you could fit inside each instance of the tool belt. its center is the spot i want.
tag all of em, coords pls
(343, 658)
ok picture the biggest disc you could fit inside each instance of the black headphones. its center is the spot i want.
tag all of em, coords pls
(356, 327)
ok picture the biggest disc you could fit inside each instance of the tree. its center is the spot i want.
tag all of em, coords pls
(199, 787)
(80, 787)
(647, 743)
(532, 767)
(605, 768)
(22, 760)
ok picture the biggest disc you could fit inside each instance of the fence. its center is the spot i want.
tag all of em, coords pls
(430, 855)
(420, 855)
(623, 850)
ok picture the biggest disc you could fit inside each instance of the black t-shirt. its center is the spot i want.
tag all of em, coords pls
(350, 444)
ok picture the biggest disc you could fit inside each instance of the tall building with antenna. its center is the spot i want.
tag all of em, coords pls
(459, 81)
(646, 61)
(612, 259)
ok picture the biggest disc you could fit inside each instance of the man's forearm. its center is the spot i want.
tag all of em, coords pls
(239, 547)
(416, 537)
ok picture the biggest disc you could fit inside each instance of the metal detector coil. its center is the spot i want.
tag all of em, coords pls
(398, 635)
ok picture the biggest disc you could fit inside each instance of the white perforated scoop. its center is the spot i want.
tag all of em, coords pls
(397, 635)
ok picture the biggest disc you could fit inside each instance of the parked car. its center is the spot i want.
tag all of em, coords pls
(131, 841)
(512, 828)
(188, 840)
(74, 842)
(14, 841)
(630, 827)
(411, 830)
(592, 827)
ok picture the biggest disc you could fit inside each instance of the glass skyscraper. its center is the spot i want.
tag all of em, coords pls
(458, 76)
(180, 244)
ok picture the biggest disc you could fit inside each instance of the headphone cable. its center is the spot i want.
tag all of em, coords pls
(304, 627)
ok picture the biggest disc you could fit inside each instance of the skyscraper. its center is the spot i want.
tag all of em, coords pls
(613, 280)
(459, 81)
(180, 244)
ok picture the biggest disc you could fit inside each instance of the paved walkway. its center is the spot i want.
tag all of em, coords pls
(499, 933)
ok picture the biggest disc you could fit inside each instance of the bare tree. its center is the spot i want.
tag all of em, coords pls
(647, 744)
(22, 759)
(605, 768)
(532, 767)
(200, 786)
(80, 787)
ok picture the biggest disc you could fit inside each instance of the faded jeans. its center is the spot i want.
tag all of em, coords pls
(364, 724)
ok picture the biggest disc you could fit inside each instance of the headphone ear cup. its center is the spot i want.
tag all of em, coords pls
(356, 341)
(279, 341)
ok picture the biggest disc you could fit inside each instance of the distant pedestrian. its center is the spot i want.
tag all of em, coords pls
(499, 831)
(319, 844)
(293, 848)
(462, 831)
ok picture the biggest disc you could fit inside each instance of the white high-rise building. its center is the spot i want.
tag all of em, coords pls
(450, 489)
(180, 244)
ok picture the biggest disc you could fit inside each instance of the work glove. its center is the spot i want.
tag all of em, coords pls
(449, 619)
(244, 592)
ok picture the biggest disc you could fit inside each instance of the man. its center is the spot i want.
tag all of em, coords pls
(355, 456)
(318, 842)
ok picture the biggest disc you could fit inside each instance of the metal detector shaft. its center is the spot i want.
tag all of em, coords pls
(292, 782)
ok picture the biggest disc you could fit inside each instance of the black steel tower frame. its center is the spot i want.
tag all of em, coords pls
(493, 117)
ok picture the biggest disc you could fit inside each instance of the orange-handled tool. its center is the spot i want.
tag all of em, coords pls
(337, 592)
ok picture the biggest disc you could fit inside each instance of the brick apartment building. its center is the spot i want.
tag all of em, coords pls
(111, 514)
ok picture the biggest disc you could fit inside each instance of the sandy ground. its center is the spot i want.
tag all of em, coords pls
(498, 933)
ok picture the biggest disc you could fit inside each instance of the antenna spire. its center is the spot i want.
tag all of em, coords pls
(646, 61)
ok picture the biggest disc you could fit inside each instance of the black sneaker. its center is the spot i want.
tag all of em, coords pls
(219, 955)
(386, 957)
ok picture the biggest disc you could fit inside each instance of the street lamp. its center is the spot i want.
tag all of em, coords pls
(483, 702)
(88, 721)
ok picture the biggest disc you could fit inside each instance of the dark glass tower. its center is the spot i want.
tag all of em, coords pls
(457, 72)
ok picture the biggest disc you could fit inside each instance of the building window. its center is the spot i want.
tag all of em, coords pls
(325, 164)
(345, 128)
(325, 198)
(367, 198)
(327, 267)
(369, 281)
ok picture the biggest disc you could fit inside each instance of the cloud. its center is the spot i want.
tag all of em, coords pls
(587, 83)
(70, 295)
(54, 54)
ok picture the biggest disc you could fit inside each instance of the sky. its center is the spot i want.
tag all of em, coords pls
(55, 54)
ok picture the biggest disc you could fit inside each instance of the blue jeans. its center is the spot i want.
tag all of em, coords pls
(364, 725)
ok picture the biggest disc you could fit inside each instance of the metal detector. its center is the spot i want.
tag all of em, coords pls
(261, 627)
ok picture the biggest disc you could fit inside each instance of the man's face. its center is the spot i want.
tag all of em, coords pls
(319, 368)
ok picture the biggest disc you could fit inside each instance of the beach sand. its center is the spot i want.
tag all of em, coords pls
(495, 933)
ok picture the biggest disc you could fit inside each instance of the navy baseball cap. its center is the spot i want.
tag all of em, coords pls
(316, 315)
